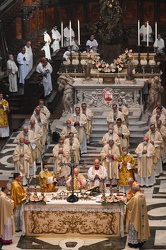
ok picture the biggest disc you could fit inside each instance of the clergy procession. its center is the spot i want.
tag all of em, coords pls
(115, 167)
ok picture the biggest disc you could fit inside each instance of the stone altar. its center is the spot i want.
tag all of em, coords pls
(81, 218)
(92, 92)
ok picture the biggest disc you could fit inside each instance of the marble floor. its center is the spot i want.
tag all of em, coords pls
(156, 205)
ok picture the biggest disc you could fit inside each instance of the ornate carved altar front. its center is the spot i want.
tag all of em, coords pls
(81, 218)
(92, 92)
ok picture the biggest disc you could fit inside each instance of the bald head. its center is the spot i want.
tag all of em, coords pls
(76, 171)
(97, 162)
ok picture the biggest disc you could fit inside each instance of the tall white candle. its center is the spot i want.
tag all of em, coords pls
(28, 170)
(147, 33)
(79, 39)
(61, 34)
(70, 31)
(138, 32)
(34, 168)
(155, 31)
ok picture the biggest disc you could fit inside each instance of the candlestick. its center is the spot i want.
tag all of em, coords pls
(79, 40)
(155, 31)
(34, 168)
(70, 31)
(147, 33)
(61, 34)
(138, 32)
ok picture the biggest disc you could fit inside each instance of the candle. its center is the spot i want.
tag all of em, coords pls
(138, 32)
(79, 40)
(147, 33)
(28, 170)
(70, 31)
(34, 168)
(155, 31)
(61, 34)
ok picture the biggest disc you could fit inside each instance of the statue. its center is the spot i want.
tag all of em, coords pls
(154, 93)
(130, 68)
(65, 83)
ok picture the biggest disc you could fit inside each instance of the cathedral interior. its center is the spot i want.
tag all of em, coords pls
(115, 27)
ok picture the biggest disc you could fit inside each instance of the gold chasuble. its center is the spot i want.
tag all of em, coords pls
(3, 113)
(18, 192)
(46, 179)
(137, 215)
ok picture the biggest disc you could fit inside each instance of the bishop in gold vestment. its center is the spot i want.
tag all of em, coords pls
(47, 180)
(18, 193)
(4, 109)
(126, 169)
(79, 181)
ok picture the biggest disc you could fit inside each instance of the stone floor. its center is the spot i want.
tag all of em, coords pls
(156, 204)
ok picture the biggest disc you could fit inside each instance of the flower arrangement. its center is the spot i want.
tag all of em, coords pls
(34, 198)
(112, 199)
(115, 67)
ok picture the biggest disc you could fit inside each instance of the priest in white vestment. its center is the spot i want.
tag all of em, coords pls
(38, 134)
(74, 146)
(23, 60)
(21, 159)
(12, 71)
(145, 152)
(61, 153)
(46, 47)
(162, 109)
(67, 129)
(89, 116)
(67, 34)
(7, 227)
(162, 129)
(156, 140)
(40, 119)
(114, 114)
(96, 174)
(158, 116)
(110, 135)
(79, 181)
(45, 68)
(123, 132)
(56, 37)
(30, 140)
(30, 53)
(80, 121)
(109, 155)
(122, 108)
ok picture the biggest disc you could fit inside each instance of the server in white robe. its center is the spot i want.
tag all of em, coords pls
(56, 37)
(12, 71)
(46, 47)
(92, 43)
(145, 152)
(45, 68)
(23, 60)
(30, 53)
(159, 46)
(66, 32)
(143, 32)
